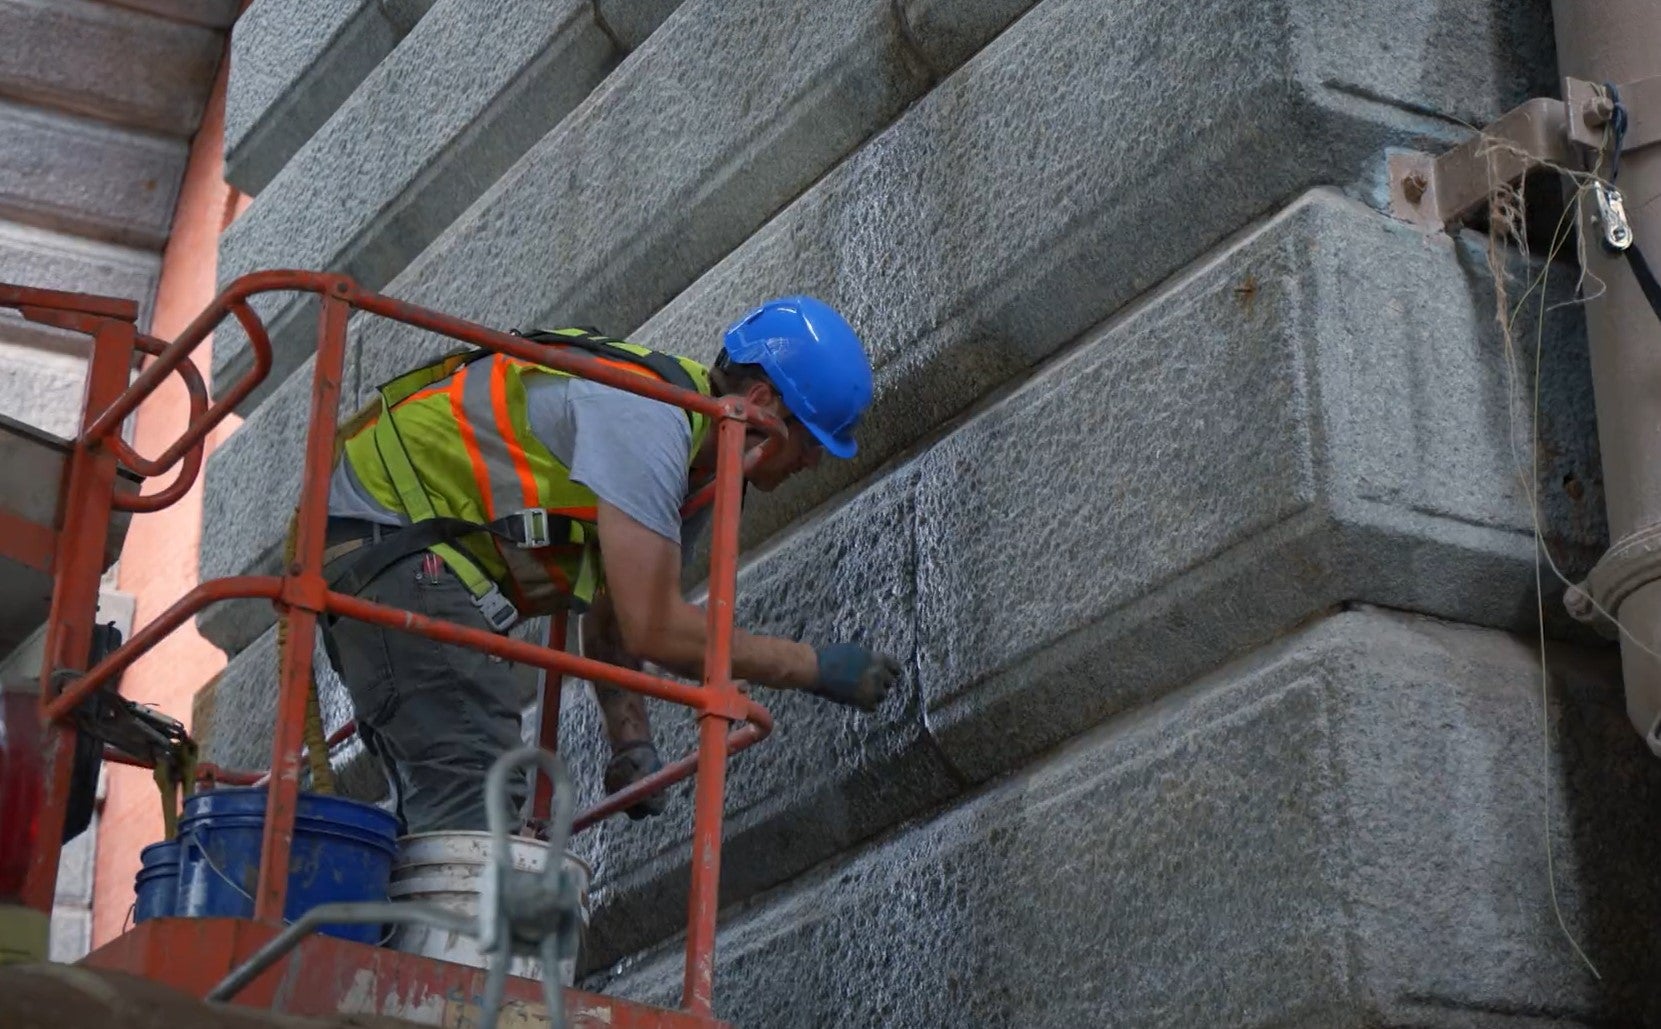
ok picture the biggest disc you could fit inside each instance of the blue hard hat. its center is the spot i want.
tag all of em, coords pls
(815, 360)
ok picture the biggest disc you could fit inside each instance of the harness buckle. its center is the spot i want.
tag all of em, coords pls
(532, 528)
(497, 609)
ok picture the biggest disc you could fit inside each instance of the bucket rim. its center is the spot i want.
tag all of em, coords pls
(239, 793)
(420, 837)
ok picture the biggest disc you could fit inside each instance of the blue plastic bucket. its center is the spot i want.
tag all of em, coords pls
(343, 851)
(157, 884)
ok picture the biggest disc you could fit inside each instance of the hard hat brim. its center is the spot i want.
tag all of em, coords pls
(842, 446)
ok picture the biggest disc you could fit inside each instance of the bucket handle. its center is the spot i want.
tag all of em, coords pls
(188, 840)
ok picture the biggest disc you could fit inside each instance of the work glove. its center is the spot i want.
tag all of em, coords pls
(851, 674)
(630, 764)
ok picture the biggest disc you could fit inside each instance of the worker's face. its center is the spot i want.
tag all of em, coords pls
(801, 450)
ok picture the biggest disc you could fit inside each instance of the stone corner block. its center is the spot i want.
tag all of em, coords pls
(108, 183)
(1320, 412)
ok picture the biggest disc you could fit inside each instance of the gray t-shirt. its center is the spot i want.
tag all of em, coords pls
(631, 451)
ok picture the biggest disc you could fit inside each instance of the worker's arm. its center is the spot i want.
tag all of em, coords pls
(643, 577)
(624, 712)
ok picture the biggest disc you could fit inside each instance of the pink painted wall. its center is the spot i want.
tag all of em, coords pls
(158, 562)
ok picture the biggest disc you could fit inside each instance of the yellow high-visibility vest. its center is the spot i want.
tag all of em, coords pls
(452, 439)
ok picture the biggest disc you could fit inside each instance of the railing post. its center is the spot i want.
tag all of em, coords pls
(547, 737)
(87, 500)
(303, 594)
(720, 695)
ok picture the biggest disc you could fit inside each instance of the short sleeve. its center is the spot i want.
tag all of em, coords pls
(632, 452)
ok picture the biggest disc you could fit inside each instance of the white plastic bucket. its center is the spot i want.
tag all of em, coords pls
(446, 868)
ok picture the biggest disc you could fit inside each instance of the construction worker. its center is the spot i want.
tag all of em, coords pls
(480, 489)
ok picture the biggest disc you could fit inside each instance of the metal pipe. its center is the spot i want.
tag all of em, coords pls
(519, 651)
(89, 496)
(303, 592)
(398, 913)
(1619, 41)
(698, 987)
(759, 725)
(547, 735)
(198, 393)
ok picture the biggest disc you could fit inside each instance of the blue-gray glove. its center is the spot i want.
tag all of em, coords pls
(851, 674)
(631, 763)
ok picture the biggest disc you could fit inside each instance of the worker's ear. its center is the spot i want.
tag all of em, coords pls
(761, 393)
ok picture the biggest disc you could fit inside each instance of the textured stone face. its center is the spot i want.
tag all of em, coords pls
(1160, 397)
(61, 53)
(296, 61)
(472, 87)
(86, 177)
(42, 388)
(977, 236)
(661, 172)
(827, 777)
(1219, 464)
(53, 260)
(1277, 431)
(1247, 852)
(957, 280)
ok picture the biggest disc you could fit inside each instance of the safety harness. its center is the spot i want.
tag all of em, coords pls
(525, 529)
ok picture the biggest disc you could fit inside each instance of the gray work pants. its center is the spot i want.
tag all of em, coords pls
(436, 715)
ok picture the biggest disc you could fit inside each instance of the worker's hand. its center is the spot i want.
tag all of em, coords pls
(851, 674)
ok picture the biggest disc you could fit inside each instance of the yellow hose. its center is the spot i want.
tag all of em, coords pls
(317, 747)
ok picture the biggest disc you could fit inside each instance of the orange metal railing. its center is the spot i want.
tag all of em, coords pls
(90, 499)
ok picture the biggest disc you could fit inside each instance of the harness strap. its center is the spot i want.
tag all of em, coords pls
(1646, 278)
(533, 527)
(662, 365)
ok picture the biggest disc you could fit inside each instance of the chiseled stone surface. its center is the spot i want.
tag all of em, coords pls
(1320, 412)
(1234, 464)
(974, 238)
(109, 62)
(1343, 829)
(472, 87)
(296, 62)
(88, 178)
(1272, 433)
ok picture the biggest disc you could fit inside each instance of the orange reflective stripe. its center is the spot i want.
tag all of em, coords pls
(470, 440)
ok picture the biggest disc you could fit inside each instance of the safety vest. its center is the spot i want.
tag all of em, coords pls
(452, 440)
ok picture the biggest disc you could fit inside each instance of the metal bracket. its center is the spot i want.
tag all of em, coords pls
(1590, 109)
(1432, 191)
(1632, 562)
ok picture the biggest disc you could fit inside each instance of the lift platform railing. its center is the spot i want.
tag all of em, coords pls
(301, 592)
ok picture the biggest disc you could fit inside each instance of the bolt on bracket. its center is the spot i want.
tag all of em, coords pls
(1591, 107)
(1431, 191)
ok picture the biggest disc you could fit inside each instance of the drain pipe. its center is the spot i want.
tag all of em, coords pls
(1619, 42)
